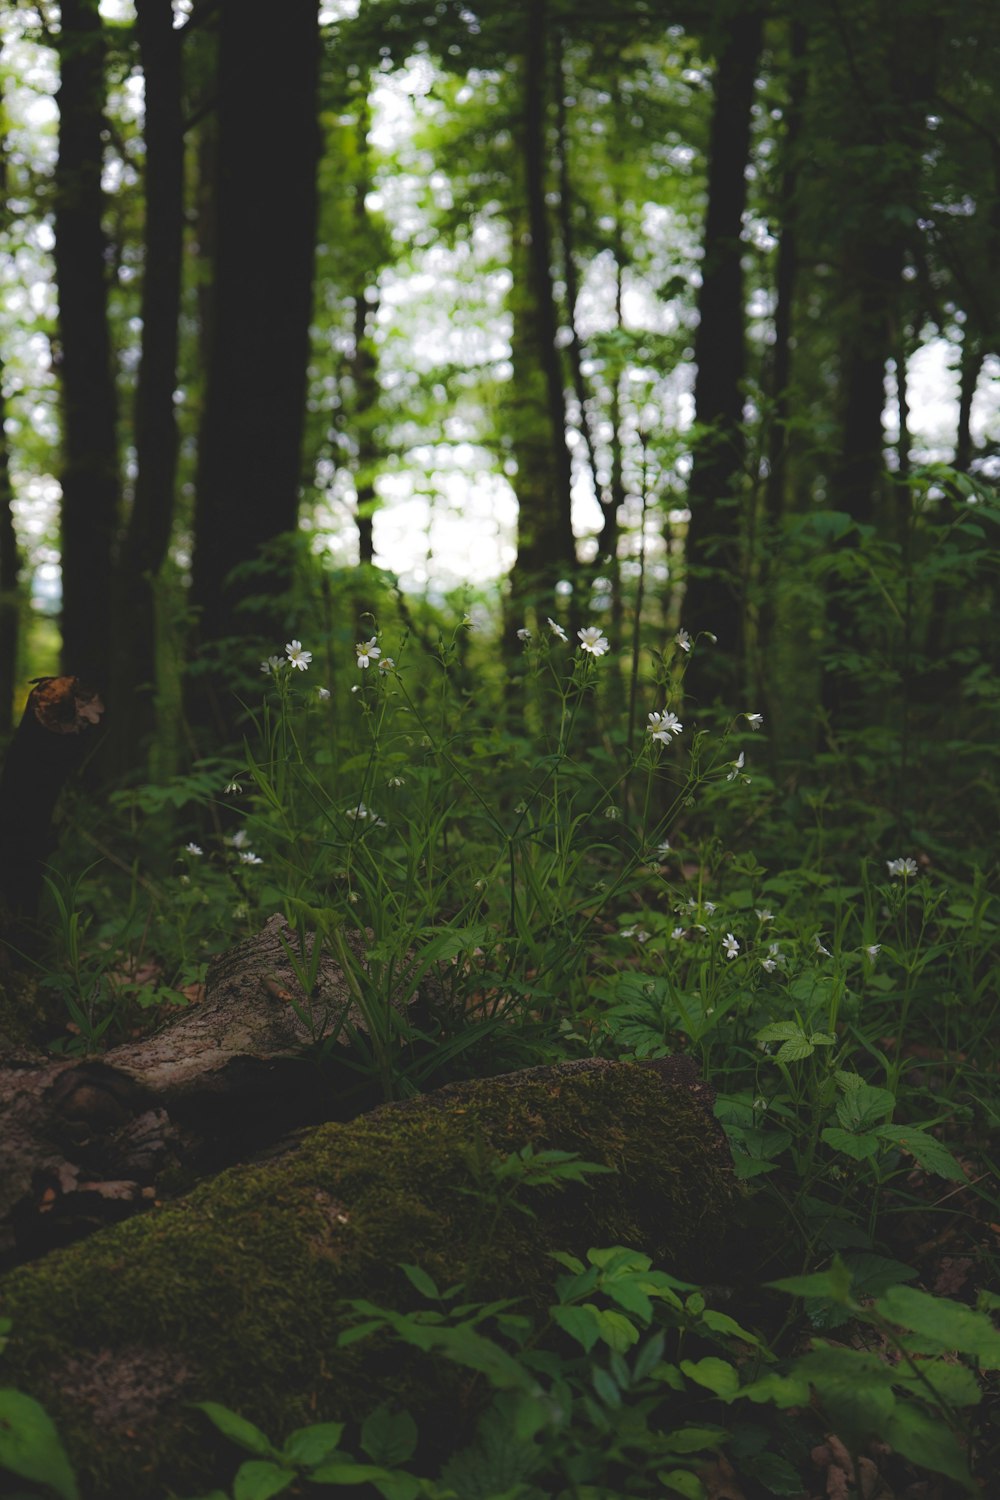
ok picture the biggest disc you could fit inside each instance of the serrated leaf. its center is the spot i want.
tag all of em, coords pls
(926, 1440)
(389, 1437)
(858, 1147)
(30, 1446)
(949, 1323)
(925, 1150)
(259, 1479)
(863, 1106)
(795, 1051)
(779, 1031)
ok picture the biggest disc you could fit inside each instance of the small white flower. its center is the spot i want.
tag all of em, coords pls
(386, 664)
(737, 765)
(232, 789)
(353, 897)
(524, 634)
(774, 952)
(323, 694)
(730, 945)
(593, 640)
(241, 910)
(271, 664)
(763, 914)
(628, 932)
(769, 965)
(395, 781)
(663, 849)
(709, 907)
(479, 885)
(873, 951)
(185, 879)
(356, 814)
(818, 946)
(662, 726)
(683, 640)
(368, 651)
(248, 857)
(759, 1104)
(194, 849)
(692, 903)
(239, 839)
(904, 867)
(298, 657)
(678, 933)
(612, 813)
(754, 720)
(556, 630)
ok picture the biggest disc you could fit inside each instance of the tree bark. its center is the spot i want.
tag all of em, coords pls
(147, 535)
(10, 572)
(249, 456)
(89, 476)
(712, 600)
(235, 1294)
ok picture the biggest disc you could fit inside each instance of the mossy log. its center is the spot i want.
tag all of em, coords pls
(235, 1292)
(92, 1141)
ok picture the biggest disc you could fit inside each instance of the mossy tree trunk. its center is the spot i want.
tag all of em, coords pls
(235, 1293)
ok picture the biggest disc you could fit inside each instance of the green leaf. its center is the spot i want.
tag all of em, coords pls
(310, 1445)
(775, 1473)
(389, 1437)
(237, 1429)
(399, 1487)
(858, 1147)
(950, 1324)
(780, 1031)
(682, 1483)
(693, 1439)
(863, 1105)
(258, 1479)
(925, 1150)
(30, 1446)
(630, 1295)
(795, 1051)
(954, 1384)
(781, 1391)
(927, 1440)
(615, 1329)
(722, 1323)
(606, 1388)
(822, 1039)
(579, 1322)
(714, 1374)
(420, 1279)
(834, 1284)
(346, 1471)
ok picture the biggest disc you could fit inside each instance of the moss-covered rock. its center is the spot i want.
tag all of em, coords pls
(234, 1293)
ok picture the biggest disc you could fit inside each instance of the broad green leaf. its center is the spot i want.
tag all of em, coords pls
(309, 1445)
(954, 1384)
(615, 1329)
(949, 1323)
(259, 1479)
(682, 1483)
(927, 1440)
(30, 1446)
(237, 1429)
(389, 1437)
(925, 1150)
(776, 1474)
(346, 1471)
(781, 1391)
(858, 1147)
(834, 1284)
(863, 1106)
(780, 1031)
(720, 1322)
(606, 1388)
(399, 1487)
(579, 1323)
(714, 1374)
(795, 1051)
(693, 1439)
(630, 1295)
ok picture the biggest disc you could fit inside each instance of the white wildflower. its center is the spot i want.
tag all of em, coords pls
(232, 789)
(683, 640)
(662, 726)
(873, 951)
(386, 664)
(763, 914)
(678, 933)
(524, 635)
(593, 640)
(368, 651)
(730, 945)
(323, 694)
(818, 946)
(709, 907)
(904, 867)
(754, 720)
(769, 965)
(194, 849)
(556, 629)
(737, 766)
(271, 664)
(248, 857)
(298, 658)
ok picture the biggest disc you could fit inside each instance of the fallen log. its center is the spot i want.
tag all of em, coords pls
(92, 1141)
(234, 1294)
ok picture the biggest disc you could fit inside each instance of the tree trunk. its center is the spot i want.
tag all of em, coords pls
(235, 1294)
(712, 600)
(364, 361)
(249, 455)
(147, 536)
(546, 550)
(89, 477)
(10, 570)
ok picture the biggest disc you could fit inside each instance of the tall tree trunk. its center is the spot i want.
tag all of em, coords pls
(147, 536)
(712, 599)
(10, 568)
(364, 362)
(546, 550)
(265, 209)
(89, 476)
(971, 364)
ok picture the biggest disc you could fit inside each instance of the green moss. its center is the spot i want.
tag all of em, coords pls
(233, 1293)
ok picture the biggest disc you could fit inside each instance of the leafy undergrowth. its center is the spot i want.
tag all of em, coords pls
(624, 885)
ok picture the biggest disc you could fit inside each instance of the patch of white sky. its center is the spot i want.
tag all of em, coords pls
(448, 507)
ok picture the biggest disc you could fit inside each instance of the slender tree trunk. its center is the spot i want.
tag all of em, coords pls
(265, 209)
(89, 477)
(147, 536)
(10, 568)
(971, 365)
(546, 550)
(364, 364)
(712, 599)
